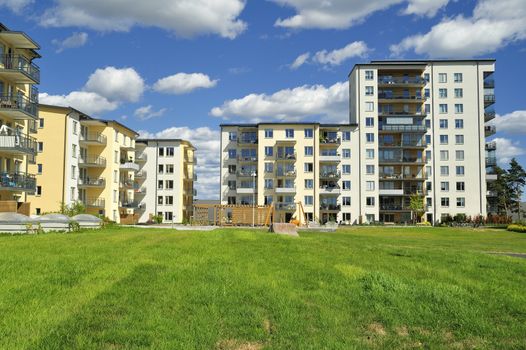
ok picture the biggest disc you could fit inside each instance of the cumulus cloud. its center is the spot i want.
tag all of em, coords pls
(329, 104)
(15, 5)
(332, 58)
(207, 143)
(507, 149)
(73, 41)
(511, 123)
(123, 84)
(186, 18)
(182, 83)
(146, 112)
(300, 61)
(341, 14)
(493, 25)
(87, 102)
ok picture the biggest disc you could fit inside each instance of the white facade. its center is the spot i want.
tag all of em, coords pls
(72, 170)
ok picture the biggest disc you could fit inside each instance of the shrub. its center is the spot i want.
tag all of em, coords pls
(516, 228)
(424, 223)
(158, 219)
(74, 226)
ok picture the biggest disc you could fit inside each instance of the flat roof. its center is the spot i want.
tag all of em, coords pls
(248, 125)
(165, 140)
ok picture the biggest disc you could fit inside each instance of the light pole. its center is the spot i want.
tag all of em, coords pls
(253, 198)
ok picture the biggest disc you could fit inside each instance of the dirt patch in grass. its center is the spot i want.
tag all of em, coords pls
(377, 329)
(515, 255)
(234, 344)
(267, 326)
(402, 331)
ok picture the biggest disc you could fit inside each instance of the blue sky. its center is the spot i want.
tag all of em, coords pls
(178, 68)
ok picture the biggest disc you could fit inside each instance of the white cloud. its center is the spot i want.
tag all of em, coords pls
(493, 25)
(146, 112)
(182, 83)
(87, 102)
(207, 143)
(116, 84)
(424, 7)
(507, 149)
(300, 60)
(336, 57)
(314, 102)
(511, 123)
(73, 41)
(186, 18)
(15, 5)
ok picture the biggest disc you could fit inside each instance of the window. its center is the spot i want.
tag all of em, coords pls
(346, 135)
(346, 169)
(426, 77)
(41, 123)
(429, 202)
(459, 139)
(369, 185)
(116, 136)
(269, 167)
(73, 172)
(160, 184)
(39, 168)
(427, 108)
(289, 133)
(444, 186)
(444, 155)
(443, 123)
(269, 133)
(442, 108)
(309, 200)
(461, 186)
(161, 151)
(429, 186)
(444, 139)
(369, 122)
(232, 136)
(168, 216)
(169, 184)
(428, 171)
(369, 106)
(346, 185)
(309, 151)
(231, 184)
(428, 123)
(231, 200)
(459, 155)
(169, 200)
(369, 91)
(169, 168)
(427, 93)
(160, 169)
(442, 77)
(170, 151)
(444, 202)
(461, 202)
(74, 151)
(116, 157)
(428, 155)
(369, 153)
(309, 183)
(309, 133)
(268, 200)
(75, 127)
(72, 193)
(369, 75)
(428, 139)
(37, 211)
(308, 167)
(369, 201)
(444, 170)
(460, 170)
(232, 154)
(40, 146)
(346, 201)
(459, 93)
(269, 151)
(160, 200)
(457, 77)
(369, 169)
(369, 217)
(369, 137)
(115, 196)
(442, 93)
(269, 184)
(459, 123)
(39, 191)
(346, 153)
(459, 108)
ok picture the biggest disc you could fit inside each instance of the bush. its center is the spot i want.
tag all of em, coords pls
(516, 228)
(74, 226)
(158, 219)
(424, 223)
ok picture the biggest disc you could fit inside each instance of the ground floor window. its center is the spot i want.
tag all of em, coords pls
(168, 215)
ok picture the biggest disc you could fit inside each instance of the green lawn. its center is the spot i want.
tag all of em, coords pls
(374, 287)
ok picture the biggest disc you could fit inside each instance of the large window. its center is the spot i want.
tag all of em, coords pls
(309, 133)
(289, 133)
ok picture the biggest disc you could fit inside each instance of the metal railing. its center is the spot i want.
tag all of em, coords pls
(92, 181)
(247, 158)
(250, 173)
(93, 137)
(286, 156)
(402, 113)
(330, 174)
(419, 143)
(92, 160)
(19, 103)
(247, 141)
(404, 128)
(489, 98)
(490, 129)
(18, 181)
(491, 161)
(385, 96)
(490, 146)
(401, 160)
(330, 141)
(94, 202)
(389, 80)
(133, 205)
(21, 64)
(19, 142)
(327, 206)
(285, 206)
(285, 173)
(384, 176)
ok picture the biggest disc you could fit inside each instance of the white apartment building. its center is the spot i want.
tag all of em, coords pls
(415, 128)
(166, 178)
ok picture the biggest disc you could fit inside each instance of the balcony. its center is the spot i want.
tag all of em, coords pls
(286, 156)
(491, 177)
(491, 194)
(18, 107)
(391, 98)
(19, 69)
(282, 206)
(94, 202)
(391, 192)
(140, 191)
(92, 161)
(129, 166)
(329, 207)
(387, 80)
(330, 141)
(127, 183)
(92, 138)
(405, 177)
(386, 113)
(412, 160)
(394, 207)
(133, 205)
(330, 175)
(32, 126)
(489, 130)
(403, 128)
(140, 175)
(247, 159)
(288, 189)
(489, 99)
(247, 141)
(491, 161)
(489, 83)
(329, 157)
(246, 190)
(18, 144)
(491, 146)
(19, 182)
(246, 173)
(330, 190)
(403, 143)
(141, 158)
(92, 182)
(286, 173)
(127, 145)
(489, 115)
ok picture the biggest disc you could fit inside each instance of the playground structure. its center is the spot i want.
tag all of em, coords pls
(243, 215)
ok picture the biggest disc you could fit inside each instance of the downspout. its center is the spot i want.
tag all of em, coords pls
(433, 143)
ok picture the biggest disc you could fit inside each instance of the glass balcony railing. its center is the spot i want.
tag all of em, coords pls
(390, 80)
(92, 181)
(489, 83)
(18, 143)
(18, 106)
(491, 161)
(330, 174)
(283, 206)
(490, 130)
(92, 161)
(330, 140)
(18, 182)
(404, 128)
(286, 156)
(95, 137)
(329, 206)
(491, 146)
(94, 202)
(386, 96)
(21, 64)
(489, 115)
(489, 99)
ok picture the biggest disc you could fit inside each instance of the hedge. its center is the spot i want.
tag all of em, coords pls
(517, 228)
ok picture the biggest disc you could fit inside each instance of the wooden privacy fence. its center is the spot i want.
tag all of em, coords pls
(233, 215)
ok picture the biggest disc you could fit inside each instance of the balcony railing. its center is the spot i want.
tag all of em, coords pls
(490, 130)
(489, 115)
(140, 174)
(141, 158)
(389, 80)
(420, 143)
(247, 173)
(384, 96)
(93, 161)
(95, 137)
(402, 113)
(489, 99)
(330, 174)
(247, 141)
(20, 64)
(394, 207)
(327, 207)
(402, 160)
(90, 181)
(489, 83)
(491, 146)
(384, 176)
(19, 106)
(286, 173)
(404, 128)
(18, 182)
(330, 140)
(285, 206)
(18, 143)
(491, 161)
(247, 158)
(128, 165)
(286, 156)
(94, 202)
(285, 189)
(133, 205)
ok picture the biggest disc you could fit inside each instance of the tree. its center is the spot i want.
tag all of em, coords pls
(502, 200)
(416, 205)
(515, 180)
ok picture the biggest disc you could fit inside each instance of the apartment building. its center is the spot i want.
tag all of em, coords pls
(166, 184)
(422, 131)
(291, 164)
(19, 76)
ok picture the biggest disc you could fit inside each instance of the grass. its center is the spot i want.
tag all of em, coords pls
(358, 288)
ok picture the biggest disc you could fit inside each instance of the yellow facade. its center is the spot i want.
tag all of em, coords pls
(187, 179)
